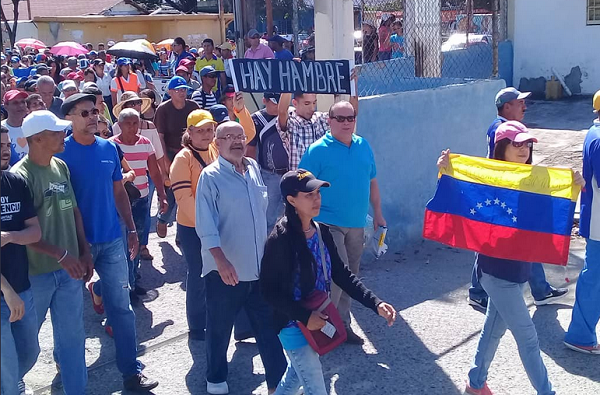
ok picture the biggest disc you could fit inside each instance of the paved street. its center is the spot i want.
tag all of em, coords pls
(427, 351)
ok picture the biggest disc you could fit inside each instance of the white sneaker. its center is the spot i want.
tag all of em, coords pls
(217, 388)
(24, 389)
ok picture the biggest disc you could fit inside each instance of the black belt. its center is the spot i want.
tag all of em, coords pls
(277, 171)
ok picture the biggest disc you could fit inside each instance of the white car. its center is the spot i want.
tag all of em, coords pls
(459, 41)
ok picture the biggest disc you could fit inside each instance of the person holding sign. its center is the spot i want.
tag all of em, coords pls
(301, 258)
(503, 281)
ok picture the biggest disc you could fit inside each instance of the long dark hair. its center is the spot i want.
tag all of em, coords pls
(302, 259)
(500, 151)
(56, 77)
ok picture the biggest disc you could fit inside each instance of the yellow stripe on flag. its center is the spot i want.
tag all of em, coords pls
(527, 178)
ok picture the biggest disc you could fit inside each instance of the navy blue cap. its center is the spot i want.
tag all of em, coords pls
(220, 113)
(277, 39)
(207, 70)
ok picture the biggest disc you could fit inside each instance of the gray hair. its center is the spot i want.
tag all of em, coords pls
(45, 79)
(128, 113)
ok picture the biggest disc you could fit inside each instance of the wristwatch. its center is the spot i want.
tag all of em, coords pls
(131, 231)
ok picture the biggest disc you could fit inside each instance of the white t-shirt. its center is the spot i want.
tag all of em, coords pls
(17, 141)
(104, 83)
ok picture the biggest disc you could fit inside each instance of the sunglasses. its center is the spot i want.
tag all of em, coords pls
(133, 103)
(341, 118)
(86, 113)
(527, 144)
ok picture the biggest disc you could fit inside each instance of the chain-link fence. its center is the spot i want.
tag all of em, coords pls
(407, 45)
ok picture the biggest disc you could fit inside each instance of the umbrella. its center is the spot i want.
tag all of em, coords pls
(68, 48)
(30, 42)
(134, 50)
(166, 43)
(146, 44)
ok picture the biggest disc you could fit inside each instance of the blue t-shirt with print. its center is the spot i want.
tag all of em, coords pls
(93, 169)
(291, 336)
(396, 39)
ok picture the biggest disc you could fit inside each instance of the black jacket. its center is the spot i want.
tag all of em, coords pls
(279, 264)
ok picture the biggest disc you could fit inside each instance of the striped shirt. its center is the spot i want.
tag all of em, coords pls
(203, 99)
(137, 156)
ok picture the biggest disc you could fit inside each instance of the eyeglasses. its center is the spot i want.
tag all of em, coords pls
(527, 144)
(341, 118)
(86, 113)
(133, 103)
(233, 137)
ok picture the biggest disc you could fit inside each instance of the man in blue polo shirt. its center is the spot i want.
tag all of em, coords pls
(511, 107)
(276, 44)
(581, 335)
(347, 162)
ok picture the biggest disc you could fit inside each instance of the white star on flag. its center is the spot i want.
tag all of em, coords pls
(509, 210)
(503, 205)
(496, 201)
(488, 202)
(479, 205)
(514, 218)
(472, 211)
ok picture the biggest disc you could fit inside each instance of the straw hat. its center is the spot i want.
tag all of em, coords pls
(128, 97)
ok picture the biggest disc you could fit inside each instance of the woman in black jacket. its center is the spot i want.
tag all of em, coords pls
(292, 268)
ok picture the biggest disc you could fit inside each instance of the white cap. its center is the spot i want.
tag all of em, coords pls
(67, 84)
(38, 121)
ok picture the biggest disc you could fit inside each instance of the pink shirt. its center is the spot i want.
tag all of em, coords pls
(261, 52)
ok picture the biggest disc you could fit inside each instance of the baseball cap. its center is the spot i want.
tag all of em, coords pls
(508, 94)
(14, 94)
(29, 85)
(38, 121)
(253, 32)
(596, 102)
(123, 61)
(73, 75)
(229, 91)
(299, 180)
(98, 62)
(91, 88)
(14, 59)
(194, 50)
(187, 62)
(182, 68)
(274, 97)
(177, 82)
(226, 46)
(277, 39)
(110, 43)
(72, 101)
(42, 66)
(67, 84)
(514, 131)
(93, 53)
(198, 118)
(207, 70)
(84, 64)
(40, 58)
(219, 113)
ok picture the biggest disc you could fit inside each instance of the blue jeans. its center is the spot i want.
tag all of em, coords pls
(195, 291)
(586, 311)
(507, 310)
(304, 369)
(275, 207)
(145, 234)
(111, 266)
(537, 282)
(166, 216)
(223, 303)
(63, 295)
(139, 211)
(20, 347)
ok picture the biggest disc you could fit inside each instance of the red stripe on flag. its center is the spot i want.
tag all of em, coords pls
(496, 240)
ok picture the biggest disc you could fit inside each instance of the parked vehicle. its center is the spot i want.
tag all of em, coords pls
(459, 41)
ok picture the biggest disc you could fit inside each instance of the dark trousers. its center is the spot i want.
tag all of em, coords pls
(139, 209)
(195, 291)
(223, 303)
(166, 216)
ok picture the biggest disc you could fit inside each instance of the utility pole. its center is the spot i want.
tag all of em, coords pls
(269, 7)
(495, 35)
(295, 27)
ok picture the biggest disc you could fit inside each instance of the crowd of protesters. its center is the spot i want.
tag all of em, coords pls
(267, 216)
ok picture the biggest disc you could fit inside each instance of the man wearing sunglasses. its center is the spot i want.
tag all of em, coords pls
(257, 49)
(345, 205)
(205, 96)
(97, 182)
(511, 107)
(178, 53)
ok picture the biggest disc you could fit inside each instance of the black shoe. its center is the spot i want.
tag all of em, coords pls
(478, 303)
(139, 383)
(353, 338)
(197, 335)
(556, 294)
(140, 291)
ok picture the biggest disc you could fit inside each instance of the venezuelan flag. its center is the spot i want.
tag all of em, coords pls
(503, 209)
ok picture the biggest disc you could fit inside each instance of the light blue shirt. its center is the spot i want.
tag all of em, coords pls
(349, 170)
(231, 213)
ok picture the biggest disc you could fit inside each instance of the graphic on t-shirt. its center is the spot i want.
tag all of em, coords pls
(55, 188)
(8, 208)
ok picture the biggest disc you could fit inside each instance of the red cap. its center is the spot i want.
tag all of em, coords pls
(182, 68)
(73, 75)
(187, 62)
(14, 94)
(514, 131)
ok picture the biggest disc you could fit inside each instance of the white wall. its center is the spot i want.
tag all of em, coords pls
(553, 33)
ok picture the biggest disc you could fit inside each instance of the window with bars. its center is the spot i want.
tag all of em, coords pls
(593, 12)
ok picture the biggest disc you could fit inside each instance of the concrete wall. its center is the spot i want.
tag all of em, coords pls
(553, 33)
(408, 130)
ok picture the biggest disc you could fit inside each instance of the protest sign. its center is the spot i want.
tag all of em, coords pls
(274, 75)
